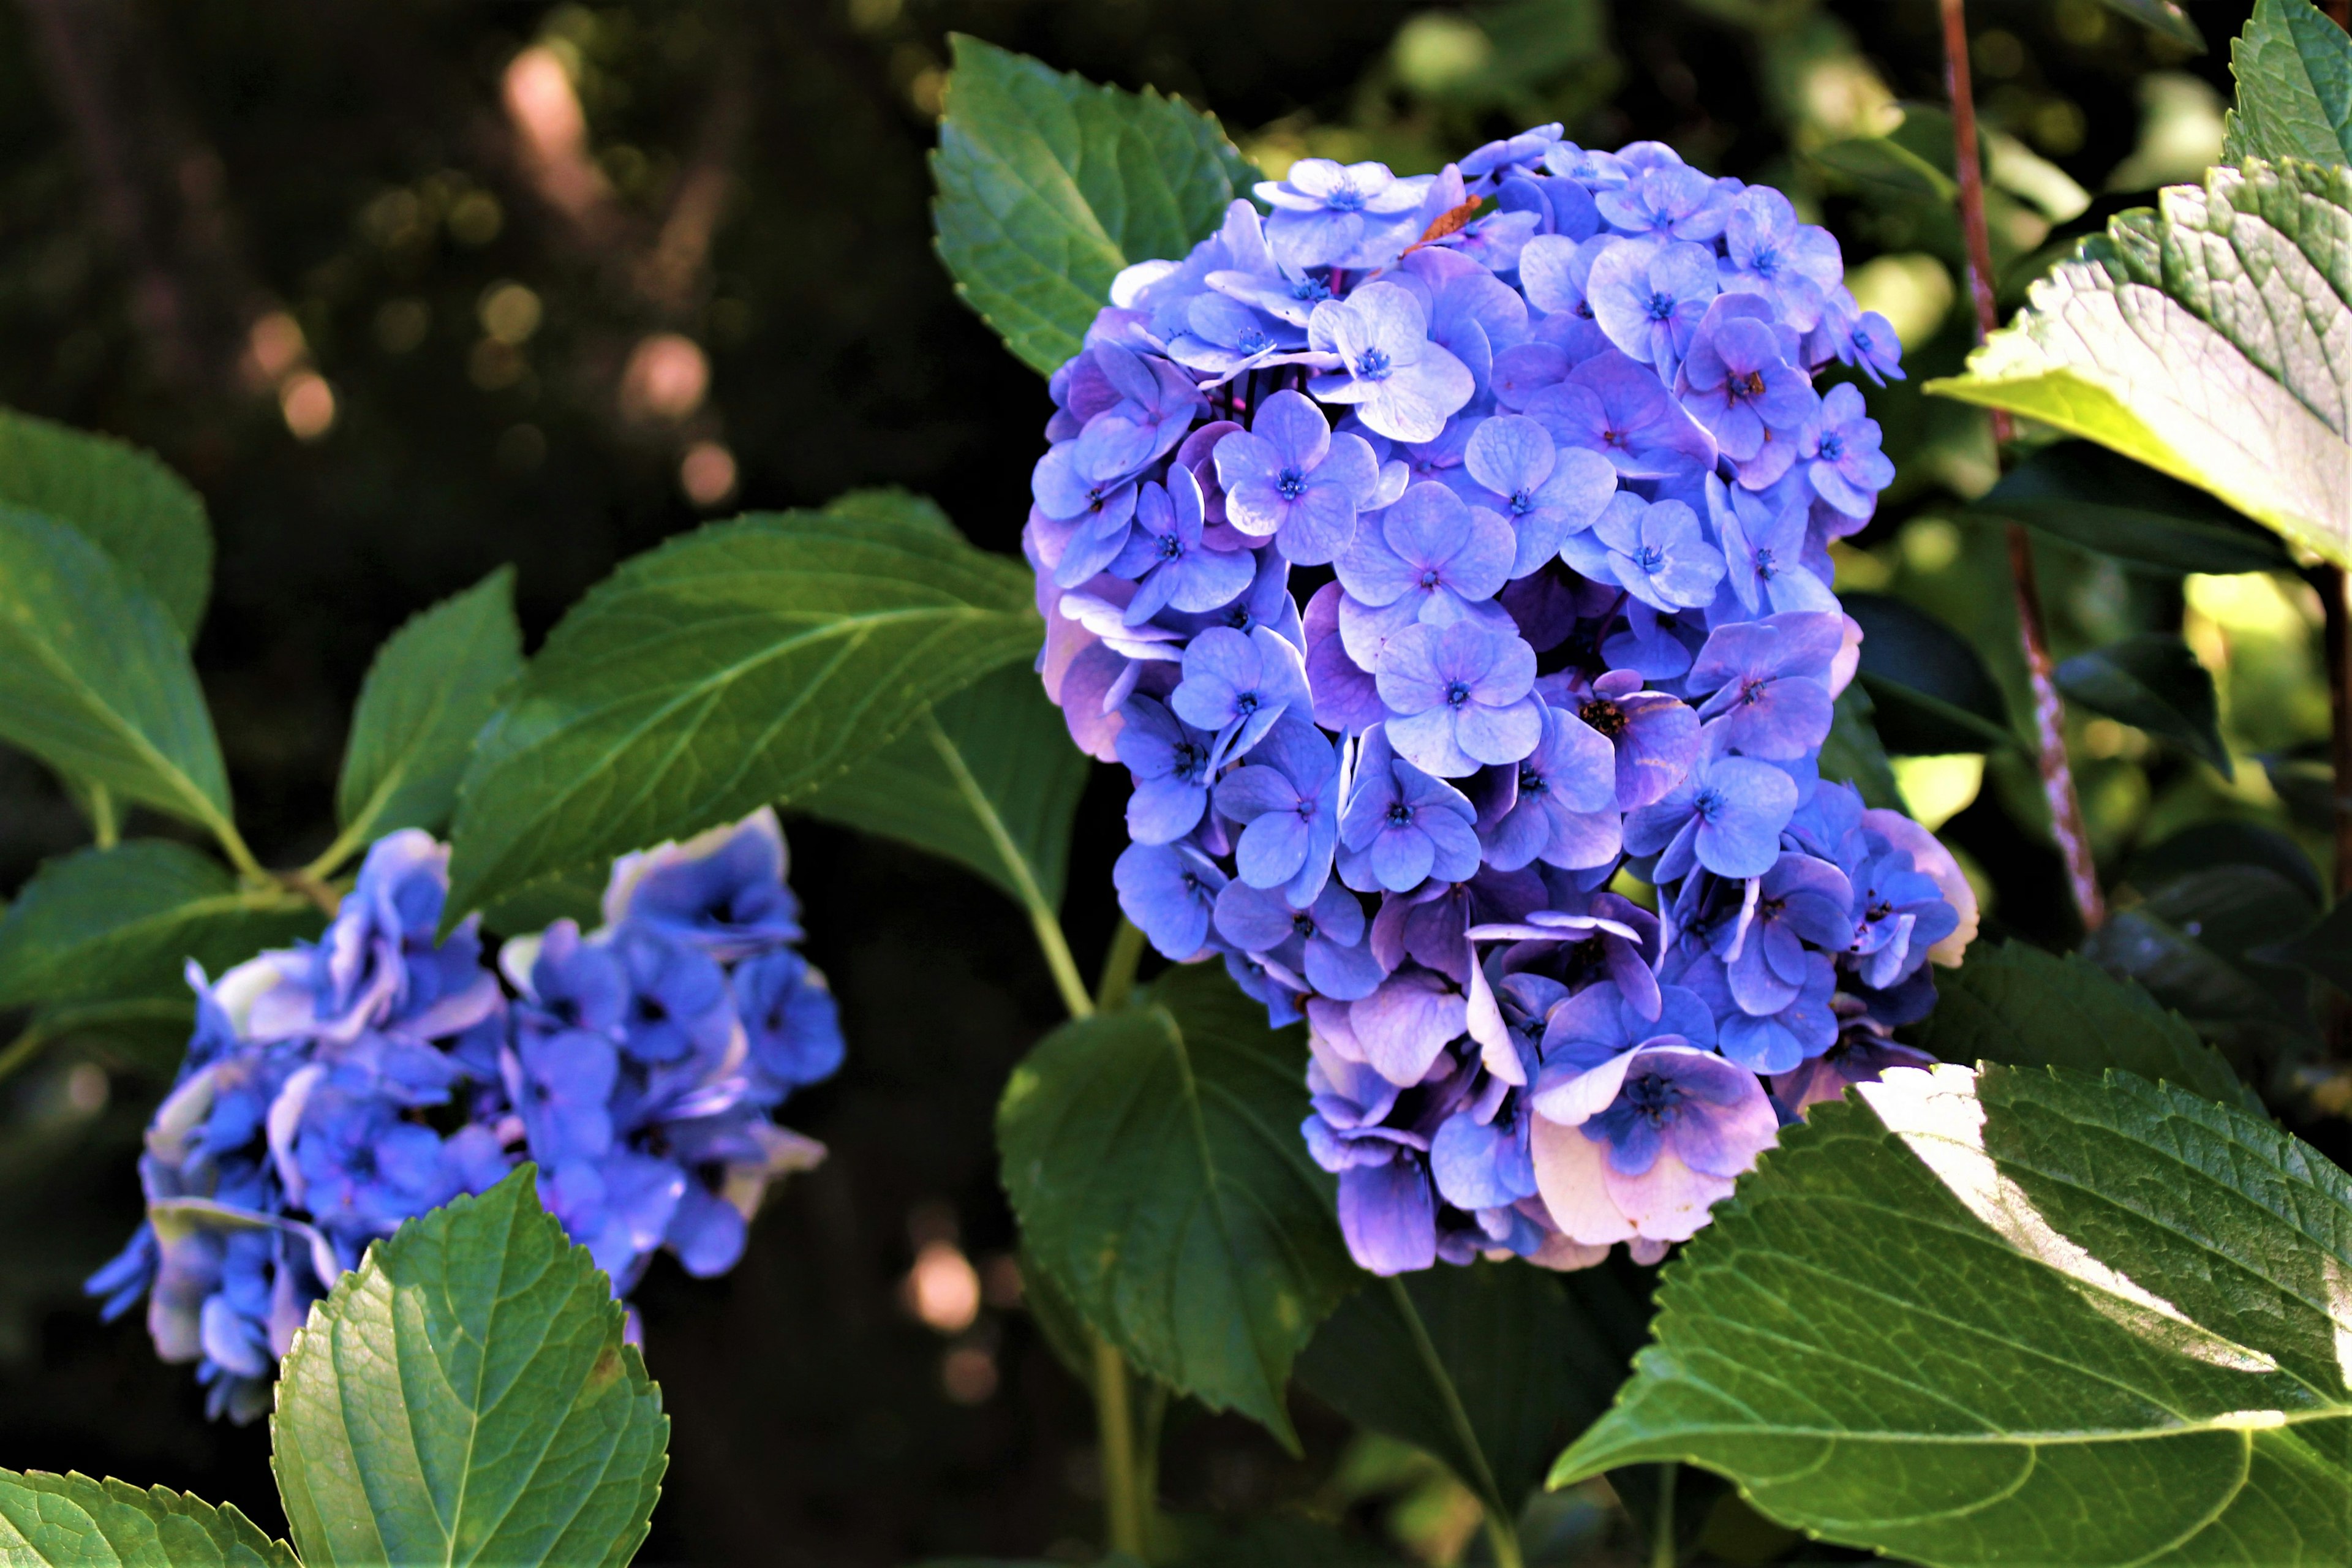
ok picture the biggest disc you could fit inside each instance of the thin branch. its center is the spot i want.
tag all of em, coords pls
(2048, 712)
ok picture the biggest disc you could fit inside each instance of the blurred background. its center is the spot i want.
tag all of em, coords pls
(412, 290)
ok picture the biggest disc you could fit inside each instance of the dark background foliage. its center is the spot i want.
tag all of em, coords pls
(222, 221)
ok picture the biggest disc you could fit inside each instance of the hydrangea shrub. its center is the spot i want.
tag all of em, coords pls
(334, 1089)
(1446, 559)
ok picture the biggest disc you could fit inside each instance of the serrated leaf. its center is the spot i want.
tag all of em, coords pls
(2164, 17)
(73, 1521)
(2155, 683)
(1049, 185)
(1930, 690)
(2020, 1316)
(740, 665)
(2204, 340)
(94, 677)
(464, 1396)
(2019, 1006)
(2294, 69)
(2098, 500)
(140, 513)
(1525, 1359)
(987, 778)
(433, 685)
(1153, 1157)
(102, 924)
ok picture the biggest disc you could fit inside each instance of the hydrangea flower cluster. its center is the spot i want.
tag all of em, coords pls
(1446, 557)
(338, 1088)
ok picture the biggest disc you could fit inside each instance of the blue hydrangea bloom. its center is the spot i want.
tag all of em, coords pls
(1521, 808)
(639, 1066)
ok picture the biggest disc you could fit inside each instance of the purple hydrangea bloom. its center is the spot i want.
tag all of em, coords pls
(1459, 696)
(1726, 816)
(1401, 826)
(1291, 480)
(1843, 464)
(1403, 385)
(1288, 800)
(1582, 427)
(1764, 542)
(1169, 891)
(1172, 567)
(1739, 384)
(1770, 683)
(1650, 300)
(1332, 214)
(1655, 551)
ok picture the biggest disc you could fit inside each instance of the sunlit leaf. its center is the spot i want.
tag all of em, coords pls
(464, 1396)
(73, 1521)
(2294, 69)
(1049, 185)
(2204, 340)
(2020, 1316)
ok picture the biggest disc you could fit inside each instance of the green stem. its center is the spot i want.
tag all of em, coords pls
(347, 844)
(1147, 1459)
(105, 824)
(1118, 982)
(1663, 1553)
(1500, 1528)
(1041, 917)
(1123, 1499)
(233, 845)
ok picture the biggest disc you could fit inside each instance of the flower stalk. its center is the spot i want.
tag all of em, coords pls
(2066, 828)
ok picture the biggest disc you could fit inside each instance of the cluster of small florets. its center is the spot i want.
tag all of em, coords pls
(1446, 557)
(335, 1088)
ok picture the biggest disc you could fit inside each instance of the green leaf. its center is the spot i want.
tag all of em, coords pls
(1930, 689)
(2325, 949)
(2153, 682)
(2095, 499)
(987, 778)
(742, 664)
(1853, 753)
(140, 513)
(2019, 1006)
(73, 1521)
(1523, 1359)
(94, 677)
(101, 924)
(2017, 1316)
(464, 1395)
(2164, 17)
(2199, 340)
(434, 684)
(889, 504)
(1153, 1157)
(2227, 841)
(2293, 67)
(1048, 185)
(1883, 167)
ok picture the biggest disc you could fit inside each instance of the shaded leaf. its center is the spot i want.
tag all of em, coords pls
(1853, 753)
(2294, 69)
(1930, 689)
(738, 665)
(464, 1395)
(2019, 1006)
(140, 513)
(73, 1521)
(2196, 339)
(2083, 493)
(2155, 683)
(1526, 1359)
(1048, 185)
(1882, 166)
(1153, 1157)
(95, 679)
(2020, 1315)
(2164, 17)
(433, 683)
(987, 778)
(100, 925)
(2203, 846)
